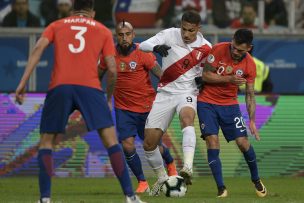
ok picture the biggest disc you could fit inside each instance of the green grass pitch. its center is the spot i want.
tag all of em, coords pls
(107, 190)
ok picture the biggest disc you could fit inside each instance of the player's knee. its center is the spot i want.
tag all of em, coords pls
(46, 141)
(187, 121)
(243, 143)
(128, 146)
(212, 142)
(149, 145)
(152, 138)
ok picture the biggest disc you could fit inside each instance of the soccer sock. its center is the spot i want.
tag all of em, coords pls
(252, 164)
(134, 163)
(189, 142)
(120, 169)
(45, 162)
(215, 166)
(166, 155)
(155, 160)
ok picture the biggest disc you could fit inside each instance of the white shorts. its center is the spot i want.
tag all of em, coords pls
(164, 107)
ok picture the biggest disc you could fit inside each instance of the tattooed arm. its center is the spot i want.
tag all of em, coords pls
(251, 106)
(111, 80)
(210, 76)
(156, 70)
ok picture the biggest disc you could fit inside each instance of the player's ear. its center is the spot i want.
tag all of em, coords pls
(250, 49)
(93, 14)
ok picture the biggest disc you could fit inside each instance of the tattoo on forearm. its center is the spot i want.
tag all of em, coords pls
(111, 84)
(156, 71)
(208, 67)
(250, 102)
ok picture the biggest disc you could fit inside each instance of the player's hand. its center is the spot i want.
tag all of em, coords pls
(237, 80)
(20, 91)
(254, 130)
(199, 83)
(161, 50)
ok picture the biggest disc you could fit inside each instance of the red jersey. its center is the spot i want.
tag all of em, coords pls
(134, 91)
(226, 93)
(78, 43)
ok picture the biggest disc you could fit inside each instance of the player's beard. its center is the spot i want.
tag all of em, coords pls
(125, 50)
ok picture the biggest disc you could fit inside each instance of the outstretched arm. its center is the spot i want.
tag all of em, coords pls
(33, 60)
(251, 106)
(157, 43)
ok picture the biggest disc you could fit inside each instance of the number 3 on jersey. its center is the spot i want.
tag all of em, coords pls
(78, 36)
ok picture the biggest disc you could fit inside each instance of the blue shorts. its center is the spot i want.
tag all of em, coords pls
(229, 118)
(61, 101)
(130, 124)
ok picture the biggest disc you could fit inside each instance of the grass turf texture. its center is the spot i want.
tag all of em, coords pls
(107, 190)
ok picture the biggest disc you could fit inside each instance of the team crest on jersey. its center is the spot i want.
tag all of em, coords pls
(229, 69)
(202, 126)
(210, 58)
(132, 65)
(239, 72)
(122, 66)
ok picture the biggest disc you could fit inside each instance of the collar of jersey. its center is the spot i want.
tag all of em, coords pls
(133, 48)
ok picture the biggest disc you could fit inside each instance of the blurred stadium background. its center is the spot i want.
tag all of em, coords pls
(280, 115)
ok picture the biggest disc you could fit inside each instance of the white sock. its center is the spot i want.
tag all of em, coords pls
(155, 160)
(189, 142)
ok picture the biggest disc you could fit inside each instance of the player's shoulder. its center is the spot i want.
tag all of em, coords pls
(143, 54)
(221, 45)
(204, 41)
(249, 59)
(170, 31)
(77, 20)
(220, 48)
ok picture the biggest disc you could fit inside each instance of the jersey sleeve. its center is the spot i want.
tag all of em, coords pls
(149, 60)
(49, 32)
(109, 47)
(251, 67)
(158, 39)
(213, 57)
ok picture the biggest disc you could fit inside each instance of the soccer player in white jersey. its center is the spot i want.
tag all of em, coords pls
(184, 51)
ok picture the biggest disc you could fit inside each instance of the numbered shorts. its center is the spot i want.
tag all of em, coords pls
(62, 100)
(164, 107)
(229, 118)
(130, 123)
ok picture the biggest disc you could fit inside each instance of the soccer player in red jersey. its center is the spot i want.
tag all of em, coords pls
(133, 98)
(228, 66)
(75, 85)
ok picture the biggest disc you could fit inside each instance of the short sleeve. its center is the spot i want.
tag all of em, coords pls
(109, 47)
(213, 57)
(49, 32)
(149, 60)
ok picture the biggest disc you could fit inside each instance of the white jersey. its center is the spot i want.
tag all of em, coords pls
(184, 62)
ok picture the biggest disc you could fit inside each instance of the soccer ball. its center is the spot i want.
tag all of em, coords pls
(174, 187)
